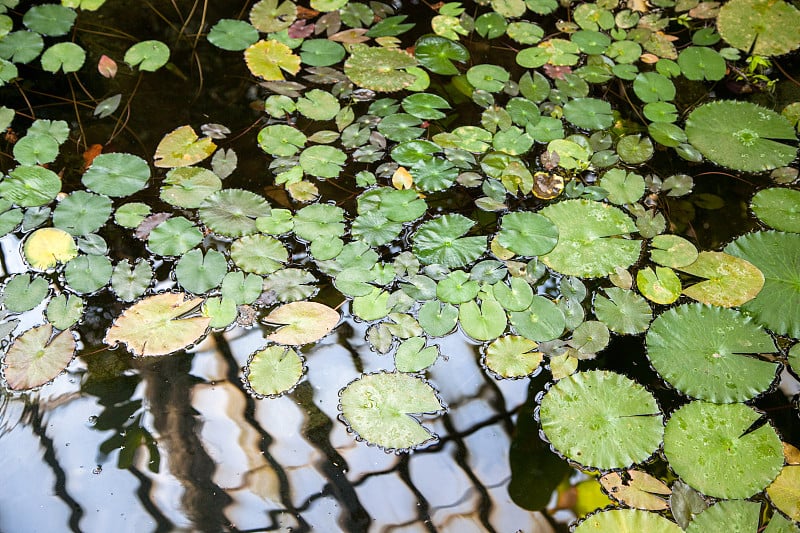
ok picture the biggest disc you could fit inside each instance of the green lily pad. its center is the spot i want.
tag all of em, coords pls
(437, 318)
(273, 371)
(117, 174)
(441, 241)
(487, 77)
(759, 27)
(512, 356)
(601, 419)
(189, 186)
(425, 106)
(319, 222)
(713, 448)
(379, 408)
(174, 236)
(222, 312)
(321, 52)
(702, 63)
(784, 493)
(590, 337)
(589, 113)
(778, 208)
(730, 281)
(457, 288)
(301, 322)
(485, 321)
(437, 54)
(372, 306)
(623, 311)
(269, 59)
(281, 140)
(290, 284)
(30, 186)
(199, 272)
(47, 247)
(241, 288)
(627, 521)
(401, 127)
(23, 292)
(777, 255)
(181, 148)
(234, 35)
(736, 516)
(741, 135)
(541, 321)
(88, 273)
(147, 55)
(36, 149)
(413, 356)
(634, 149)
(589, 239)
(527, 234)
(64, 311)
(379, 69)
(36, 357)
(317, 104)
(704, 352)
(322, 161)
(672, 251)
(233, 212)
(82, 212)
(132, 214)
(131, 281)
(517, 296)
(258, 254)
(661, 285)
(623, 187)
(159, 325)
(67, 57)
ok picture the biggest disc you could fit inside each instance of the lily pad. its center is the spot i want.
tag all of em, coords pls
(379, 408)
(36, 357)
(485, 321)
(88, 273)
(234, 35)
(181, 147)
(672, 251)
(542, 321)
(527, 234)
(82, 212)
(379, 69)
(784, 492)
(268, 59)
(30, 186)
(64, 311)
(437, 318)
(705, 352)
(147, 55)
(290, 284)
(437, 54)
(302, 322)
(714, 448)
(661, 285)
(319, 222)
(601, 419)
(189, 186)
(270, 16)
(52, 20)
(735, 516)
(281, 140)
(778, 208)
(441, 241)
(517, 296)
(627, 521)
(623, 311)
(131, 281)
(233, 212)
(413, 356)
(759, 27)
(512, 356)
(742, 136)
(731, 281)
(259, 254)
(47, 247)
(273, 371)
(199, 272)
(591, 239)
(174, 236)
(159, 325)
(67, 57)
(322, 161)
(23, 292)
(777, 255)
(117, 174)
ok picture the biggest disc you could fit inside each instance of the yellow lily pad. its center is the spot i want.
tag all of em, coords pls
(47, 247)
(181, 148)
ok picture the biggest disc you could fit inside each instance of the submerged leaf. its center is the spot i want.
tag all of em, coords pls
(302, 322)
(36, 357)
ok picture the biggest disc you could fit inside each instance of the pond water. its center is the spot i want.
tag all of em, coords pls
(178, 443)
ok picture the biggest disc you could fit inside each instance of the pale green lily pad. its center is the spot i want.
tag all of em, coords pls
(47, 247)
(709, 353)
(778, 208)
(88, 273)
(742, 136)
(147, 55)
(233, 212)
(258, 254)
(222, 312)
(23, 292)
(235, 35)
(437, 318)
(372, 306)
(379, 408)
(241, 288)
(712, 448)
(30, 186)
(36, 149)
(661, 285)
(413, 356)
(760, 27)
(590, 242)
(322, 161)
(174, 236)
(132, 214)
(189, 186)
(66, 56)
(379, 69)
(777, 255)
(64, 311)
(319, 222)
(590, 337)
(734, 516)
(117, 174)
(321, 52)
(441, 241)
(159, 325)
(589, 113)
(527, 234)
(542, 321)
(281, 140)
(82, 212)
(199, 272)
(483, 322)
(601, 419)
(731, 281)
(131, 281)
(517, 296)
(627, 521)
(271, 16)
(512, 356)
(623, 311)
(779, 524)
(36, 357)
(290, 284)
(623, 187)
(301, 322)
(457, 288)
(784, 492)
(672, 251)
(318, 105)
(487, 77)
(273, 371)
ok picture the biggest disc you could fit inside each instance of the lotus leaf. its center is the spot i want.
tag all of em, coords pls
(627, 521)
(784, 492)
(761, 27)
(30, 186)
(589, 243)
(714, 448)
(147, 55)
(159, 325)
(731, 515)
(132, 214)
(273, 371)
(379, 408)
(267, 59)
(512, 356)
(623, 311)
(68, 57)
(778, 208)
(638, 489)
(117, 174)
(82, 212)
(235, 35)
(86, 274)
(130, 282)
(301, 322)
(777, 256)
(413, 356)
(46, 247)
(36, 357)
(441, 241)
(233, 212)
(379, 69)
(174, 236)
(23, 292)
(741, 135)
(64, 311)
(601, 419)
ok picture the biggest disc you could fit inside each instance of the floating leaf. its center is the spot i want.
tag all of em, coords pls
(441, 241)
(379, 69)
(413, 356)
(379, 408)
(516, 297)
(512, 356)
(36, 357)
(68, 57)
(487, 77)
(174, 236)
(638, 489)
(129, 282)
(623, 187)
(88, 273)
(741, 135)
(322, 161)
(147, 55)
(117, 174)
(600, 419)
(30, 186)
(714, 448)
(623, 311)
(241, 288)
(759, 27)
(267, 59)
(318, 105)
(64, 311)
(437, 54)
(132, 214)
(372, 306)
(23, 292)
(730, 515)
(290, 284)
(234, 35)
(82, 212)
(198, 272)
(672, 251)
(731, 281)
(590, 337)
(483, 322)
(47, 247)
(259, 254)
(589, 243)
(589, 113)
(181, 148)
(52, 20)
(777, 207)
(777, 255)
(319, 222)
(321, 52)
(159, 325)
(437, 318)
(270, 16)
(233, 212)
(281, 140)
(189, 186)
(273, 371)
(627, 521)
(527, 234)
(784, 492)
(302, 322)
(661, 285)
(542, 321)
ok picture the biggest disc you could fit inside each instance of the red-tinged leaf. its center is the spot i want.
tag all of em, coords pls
(90, 153)
(107, 66)
(300, 30)
(355, 35)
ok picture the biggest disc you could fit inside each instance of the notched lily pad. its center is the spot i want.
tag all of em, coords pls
(730, 281)
(512, 356)
(302, 322)
(36, 357)
(379, 408)
(627, 521)
(273, 371)
(778, 208)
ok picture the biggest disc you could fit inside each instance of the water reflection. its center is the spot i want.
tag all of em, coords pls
(223, 461)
